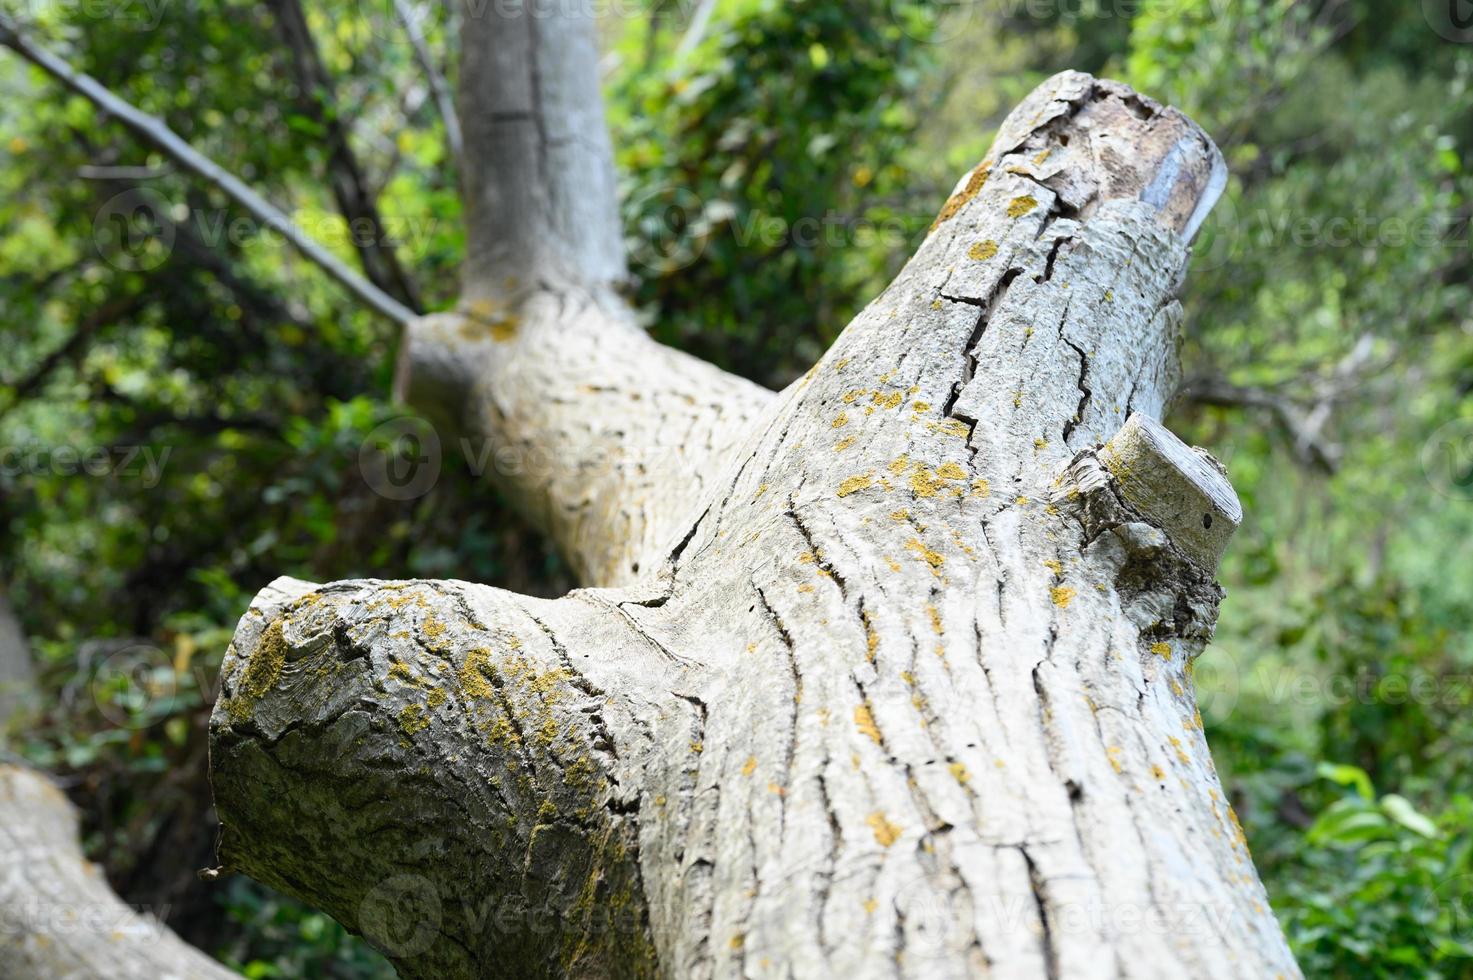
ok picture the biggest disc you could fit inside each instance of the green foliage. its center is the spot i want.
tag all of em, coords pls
(761, 175)
(281, 939)
(774, 176)
(1381, 890)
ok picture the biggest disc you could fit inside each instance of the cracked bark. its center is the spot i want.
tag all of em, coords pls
(887, 674)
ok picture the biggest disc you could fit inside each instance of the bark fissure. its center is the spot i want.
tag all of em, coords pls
(880, 675)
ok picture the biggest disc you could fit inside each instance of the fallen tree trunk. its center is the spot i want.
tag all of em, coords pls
(17, 674)
(887, 674)
(58, 917)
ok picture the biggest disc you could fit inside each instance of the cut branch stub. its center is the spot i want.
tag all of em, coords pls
(1182, 490)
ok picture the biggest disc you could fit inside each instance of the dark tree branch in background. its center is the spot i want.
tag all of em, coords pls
(72, 349)
(696, 31)
(1306, 441)
(354, 199)
(1304, 426)
(154, 131)
(439, 88)
(97, 172)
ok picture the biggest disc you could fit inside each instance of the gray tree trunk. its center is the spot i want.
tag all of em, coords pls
(886, 674)
(59, 919)
(58, 916)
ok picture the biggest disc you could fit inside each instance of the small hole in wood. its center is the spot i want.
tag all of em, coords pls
(1206, 520)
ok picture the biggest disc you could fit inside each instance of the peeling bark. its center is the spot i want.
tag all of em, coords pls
(888, 674)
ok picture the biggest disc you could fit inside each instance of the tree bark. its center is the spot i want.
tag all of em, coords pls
(17, 674)
(888, 674)
(58, 917)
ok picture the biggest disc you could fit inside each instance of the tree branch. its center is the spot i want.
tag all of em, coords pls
(543, 352)
(58, 917)
(881, 708)
(85, 330)
(17, 672)
(350, 189)
(1304, 438)
(491, 746)
(541, 206)
(695, 31)
(154, 131)
(439, 87)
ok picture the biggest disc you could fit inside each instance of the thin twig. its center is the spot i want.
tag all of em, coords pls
(438, 86)
(155, 131)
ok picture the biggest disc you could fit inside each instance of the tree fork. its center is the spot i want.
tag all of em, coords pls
(902, 688)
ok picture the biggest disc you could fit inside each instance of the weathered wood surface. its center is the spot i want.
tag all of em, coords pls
(886, 674)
